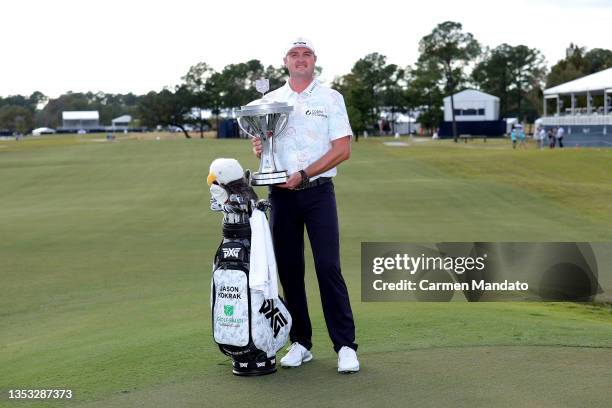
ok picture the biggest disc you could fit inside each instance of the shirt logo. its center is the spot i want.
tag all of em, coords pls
(316, 112)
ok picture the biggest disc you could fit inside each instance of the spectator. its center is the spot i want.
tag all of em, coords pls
(541, 137)
(513, 137)
(551, 138)
(522, 136)
(559, 136)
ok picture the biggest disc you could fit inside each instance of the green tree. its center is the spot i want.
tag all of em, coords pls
(17, 112)
(237, 82)
(424, 93)
(598, 59)
(452, 49)
(111, 106)
(394, 96)
(37, 98)
(527, 75)
(16, 100)
(371, 85)
(278, 75)
(166, 108)
(16, 118)
(234, 86)
(195, 82)
(31, 103)
(573, 66)
(372, 73)
(577, 63)
(357, 101)
(492, 75)
(511, 73)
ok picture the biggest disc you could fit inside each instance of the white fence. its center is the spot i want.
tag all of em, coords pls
(577, 120)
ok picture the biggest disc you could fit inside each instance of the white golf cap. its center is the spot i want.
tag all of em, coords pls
(300, 42)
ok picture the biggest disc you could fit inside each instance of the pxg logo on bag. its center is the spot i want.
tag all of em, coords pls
(231, 252)
(272, 313)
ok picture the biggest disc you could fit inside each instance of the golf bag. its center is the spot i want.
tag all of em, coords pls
(246, 326)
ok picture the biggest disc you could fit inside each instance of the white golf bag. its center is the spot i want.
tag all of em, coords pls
(246, 326)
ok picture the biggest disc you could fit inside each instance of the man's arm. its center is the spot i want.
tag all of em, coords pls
(339, 152)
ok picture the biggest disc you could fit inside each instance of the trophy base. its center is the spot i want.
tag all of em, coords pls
(269, 179)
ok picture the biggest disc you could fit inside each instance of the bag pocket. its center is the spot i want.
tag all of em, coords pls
(230, 310)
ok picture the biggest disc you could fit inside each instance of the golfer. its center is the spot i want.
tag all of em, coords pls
(317, 138)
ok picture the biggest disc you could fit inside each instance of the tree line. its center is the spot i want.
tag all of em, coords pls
(450, 60)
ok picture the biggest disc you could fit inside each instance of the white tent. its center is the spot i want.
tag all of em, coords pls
(402, 123)
(472, 105)
(405, 124)
(599, 83)
(42, 131)
(510, 123)
(401, 118)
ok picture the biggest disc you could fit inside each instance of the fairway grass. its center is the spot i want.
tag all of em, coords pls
(106, 250)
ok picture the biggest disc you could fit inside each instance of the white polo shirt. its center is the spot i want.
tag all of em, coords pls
(319, 116)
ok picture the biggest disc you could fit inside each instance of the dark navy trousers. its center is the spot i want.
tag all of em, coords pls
(314, 208)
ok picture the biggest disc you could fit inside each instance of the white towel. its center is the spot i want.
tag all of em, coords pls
(262, 270)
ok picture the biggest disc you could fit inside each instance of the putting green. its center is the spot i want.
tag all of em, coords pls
(459, 377)
(105, 251)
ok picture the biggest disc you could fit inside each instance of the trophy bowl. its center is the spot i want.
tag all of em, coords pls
(266, 119)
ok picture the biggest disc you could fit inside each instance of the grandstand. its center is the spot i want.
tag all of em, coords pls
(80, 120)
(583, 107)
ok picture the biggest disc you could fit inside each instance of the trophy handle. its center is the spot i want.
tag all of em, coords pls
(243, 127)
(283, 123)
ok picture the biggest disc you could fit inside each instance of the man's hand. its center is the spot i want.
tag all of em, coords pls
(294, 181)
(257, 147)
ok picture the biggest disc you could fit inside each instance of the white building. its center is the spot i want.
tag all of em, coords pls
(472, 106)
(583, 107)
(80, 120)
(122, 122)
(599, 83)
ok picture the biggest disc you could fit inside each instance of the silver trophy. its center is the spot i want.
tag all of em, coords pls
(266, 119)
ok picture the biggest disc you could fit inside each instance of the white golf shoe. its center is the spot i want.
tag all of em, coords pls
(347, 360)
(297, 355)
